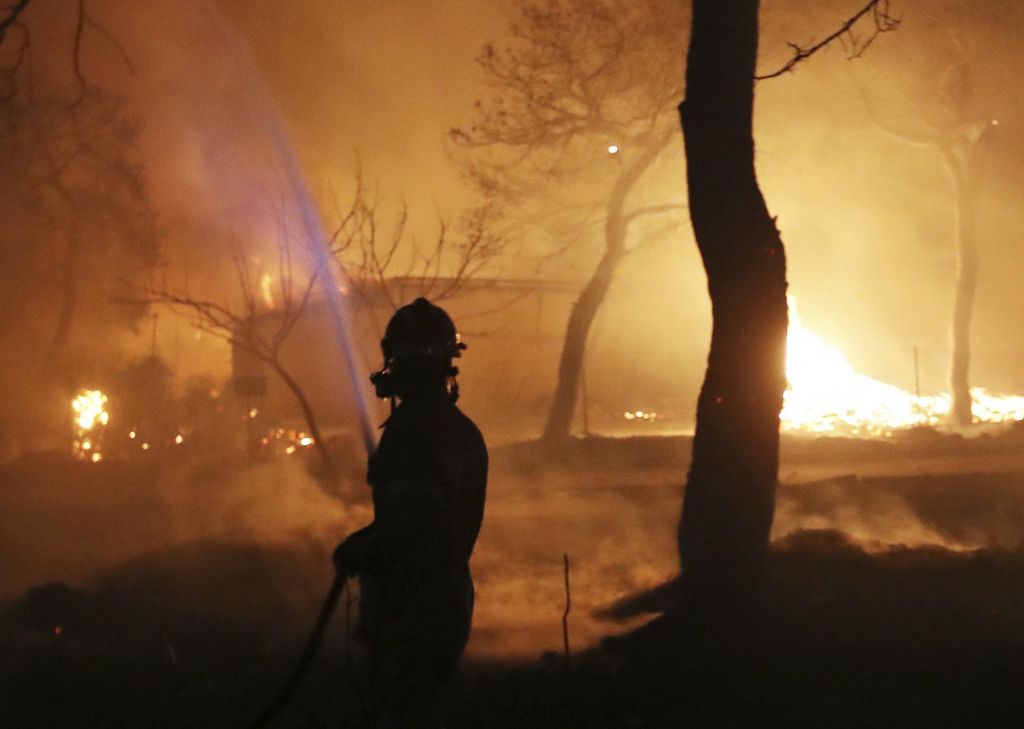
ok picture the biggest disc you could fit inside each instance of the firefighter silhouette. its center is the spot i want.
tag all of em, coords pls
(428, 477)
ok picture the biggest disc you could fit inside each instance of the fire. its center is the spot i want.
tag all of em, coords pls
(90, 418)
(826, 395)
(266, 290)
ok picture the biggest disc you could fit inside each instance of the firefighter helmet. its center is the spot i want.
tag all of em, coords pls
(421, 330)
(418, 346)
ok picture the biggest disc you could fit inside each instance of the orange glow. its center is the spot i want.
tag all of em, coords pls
(90, 417)
(826, 395)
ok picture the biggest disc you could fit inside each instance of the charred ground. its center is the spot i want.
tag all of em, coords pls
(894, 598)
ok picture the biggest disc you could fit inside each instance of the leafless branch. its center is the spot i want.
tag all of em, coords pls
(377, 254)
(637, 213)
(11, 16)
(112, 40)
(882, 19)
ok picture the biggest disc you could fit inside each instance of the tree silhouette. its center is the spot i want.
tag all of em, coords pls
(78, 219)
(950, 124)
(581, 118)
(729, 499)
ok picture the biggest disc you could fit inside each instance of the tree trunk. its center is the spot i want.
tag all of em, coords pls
(311, 421)
(584, 311)
(729, 500)
(963, 307)
(966, 282)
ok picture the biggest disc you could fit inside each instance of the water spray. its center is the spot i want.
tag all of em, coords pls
(311, 225)
(317, 241)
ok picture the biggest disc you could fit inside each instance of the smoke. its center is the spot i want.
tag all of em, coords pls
(78, 519)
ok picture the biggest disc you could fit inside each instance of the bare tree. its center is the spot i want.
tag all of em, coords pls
(75, 200)
(253, 324)
(950, 124)
(583, 109)
(380, 259)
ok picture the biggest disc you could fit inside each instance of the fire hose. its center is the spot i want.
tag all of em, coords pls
(309, 651)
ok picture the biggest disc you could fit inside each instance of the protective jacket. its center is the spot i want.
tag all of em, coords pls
(429, 478)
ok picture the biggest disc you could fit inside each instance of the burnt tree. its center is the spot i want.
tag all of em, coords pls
(729, 500)
(730, 490)
(580, 126)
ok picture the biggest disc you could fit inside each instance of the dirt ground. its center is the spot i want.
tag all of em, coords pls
(177, 594)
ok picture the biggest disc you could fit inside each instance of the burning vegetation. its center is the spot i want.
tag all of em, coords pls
(826, 396)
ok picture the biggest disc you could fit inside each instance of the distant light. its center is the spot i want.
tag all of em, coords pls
(253, 413)
(305, 441)
(179, 438)
(613, 149)
(995, 122)
(131, 434)
(58, 629)
(289, 450)
(145, 446)
(96, 457)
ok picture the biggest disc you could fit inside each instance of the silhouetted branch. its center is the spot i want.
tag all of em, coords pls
(11, 17)
(883, 21)
(112, 40)
(368, 252)
(638, 213)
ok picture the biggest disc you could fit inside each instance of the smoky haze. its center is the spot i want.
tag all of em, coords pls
(867, 220)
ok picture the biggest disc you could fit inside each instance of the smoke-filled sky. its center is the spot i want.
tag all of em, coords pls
(868, 220)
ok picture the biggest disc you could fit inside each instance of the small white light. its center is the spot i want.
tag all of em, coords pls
(613, 149)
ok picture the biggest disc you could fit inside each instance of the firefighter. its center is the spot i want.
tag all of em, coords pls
(428, 478)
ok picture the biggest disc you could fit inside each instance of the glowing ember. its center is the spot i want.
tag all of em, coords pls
(825, 395)
(287, 441)
(640, 415)
(90, 418)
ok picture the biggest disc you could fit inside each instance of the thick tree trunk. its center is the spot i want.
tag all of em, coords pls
(311, 421)
(965, 286)
(584, 311)
(730, 491)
